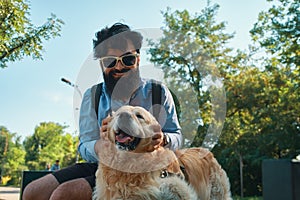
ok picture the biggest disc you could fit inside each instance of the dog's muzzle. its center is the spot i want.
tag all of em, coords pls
(123, 137)
(126, 142)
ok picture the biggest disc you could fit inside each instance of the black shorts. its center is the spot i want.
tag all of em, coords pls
(78, 170)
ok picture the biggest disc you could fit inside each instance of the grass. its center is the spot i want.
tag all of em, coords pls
(247, 198)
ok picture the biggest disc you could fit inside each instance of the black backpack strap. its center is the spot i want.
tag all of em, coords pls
(96, 92)
(156, 97)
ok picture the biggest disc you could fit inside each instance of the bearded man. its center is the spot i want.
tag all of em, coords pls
(118, 50)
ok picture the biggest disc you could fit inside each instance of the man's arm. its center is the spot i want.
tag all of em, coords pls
(88, 128)
(171, 128)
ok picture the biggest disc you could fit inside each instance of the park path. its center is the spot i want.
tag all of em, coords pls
(9, 193)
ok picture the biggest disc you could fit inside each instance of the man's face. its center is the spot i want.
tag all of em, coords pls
(121, 76)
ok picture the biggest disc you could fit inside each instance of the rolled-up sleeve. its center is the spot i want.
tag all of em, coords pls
(172, 126)
(88, 128)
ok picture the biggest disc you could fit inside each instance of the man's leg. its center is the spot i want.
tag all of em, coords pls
(81, 176)
(40, 189)
(75, 189)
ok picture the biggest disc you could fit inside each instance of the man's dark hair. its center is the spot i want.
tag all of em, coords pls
(115, 37)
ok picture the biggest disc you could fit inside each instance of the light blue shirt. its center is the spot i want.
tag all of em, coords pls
(89, 126)
(54, 167)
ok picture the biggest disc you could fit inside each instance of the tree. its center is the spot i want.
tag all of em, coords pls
(12, 156)
(277, 31)
(18, 36)
(49, 143)
(189, 53)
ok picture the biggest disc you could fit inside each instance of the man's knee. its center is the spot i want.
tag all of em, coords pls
(32, 191)
(28, 193)
(40, 189)
(74, 189)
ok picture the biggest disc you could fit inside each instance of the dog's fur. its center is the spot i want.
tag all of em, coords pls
(135, 169)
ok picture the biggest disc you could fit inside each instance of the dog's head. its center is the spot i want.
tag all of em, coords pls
(129, 147)
(131, 129)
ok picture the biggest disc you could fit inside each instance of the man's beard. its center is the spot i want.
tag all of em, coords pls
(122, 88)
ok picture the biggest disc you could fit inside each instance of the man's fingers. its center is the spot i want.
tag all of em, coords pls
(106, 120)
(157, 139)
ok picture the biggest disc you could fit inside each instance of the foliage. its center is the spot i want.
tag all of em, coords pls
(277, 31)
(47, 144)
(18, 36)
(12, 156)
(262, 122)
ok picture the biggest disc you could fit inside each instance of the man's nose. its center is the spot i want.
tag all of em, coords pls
(119, 65)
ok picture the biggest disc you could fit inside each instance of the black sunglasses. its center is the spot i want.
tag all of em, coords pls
(126, 60)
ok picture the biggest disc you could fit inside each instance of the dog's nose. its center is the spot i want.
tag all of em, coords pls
(124, 116)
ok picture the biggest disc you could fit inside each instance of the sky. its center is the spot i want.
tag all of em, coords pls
(32, 91)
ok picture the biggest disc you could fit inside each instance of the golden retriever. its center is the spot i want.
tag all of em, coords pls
(131, 167)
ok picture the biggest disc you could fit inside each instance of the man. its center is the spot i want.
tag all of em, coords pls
(117, 48)
(55, 166)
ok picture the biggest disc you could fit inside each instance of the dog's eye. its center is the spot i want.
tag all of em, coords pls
(139, 116)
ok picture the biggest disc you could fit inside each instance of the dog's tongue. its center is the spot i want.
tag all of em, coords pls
(123, 137)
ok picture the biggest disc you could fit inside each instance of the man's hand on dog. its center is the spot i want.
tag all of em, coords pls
(157, 138)
(103, 129)
(103, 133)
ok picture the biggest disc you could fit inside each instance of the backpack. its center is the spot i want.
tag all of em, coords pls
(156, 98)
